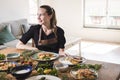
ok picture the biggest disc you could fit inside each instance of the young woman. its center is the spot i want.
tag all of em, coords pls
(46, 35)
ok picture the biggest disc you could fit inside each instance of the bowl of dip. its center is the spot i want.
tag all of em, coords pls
(21, 72)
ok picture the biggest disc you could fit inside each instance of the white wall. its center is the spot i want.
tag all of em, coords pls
(70, 17)
(13, 9)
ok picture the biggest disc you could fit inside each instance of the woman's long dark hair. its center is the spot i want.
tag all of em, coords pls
(53, 21)
(50, 11)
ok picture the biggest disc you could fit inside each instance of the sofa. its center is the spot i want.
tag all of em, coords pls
(11, 32)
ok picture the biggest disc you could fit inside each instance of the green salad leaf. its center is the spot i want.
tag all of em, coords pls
(2, 56)
(84, 66)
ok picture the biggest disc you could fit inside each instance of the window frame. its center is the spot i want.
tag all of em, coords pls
(98, 27)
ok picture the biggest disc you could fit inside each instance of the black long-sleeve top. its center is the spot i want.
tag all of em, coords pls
(33, 33)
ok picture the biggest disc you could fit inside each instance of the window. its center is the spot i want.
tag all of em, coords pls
(33, 7)
(102, 14)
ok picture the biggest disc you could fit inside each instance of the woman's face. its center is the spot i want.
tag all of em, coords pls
(43, 17)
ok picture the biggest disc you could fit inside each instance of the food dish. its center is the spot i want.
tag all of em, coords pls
(71, 60)
(21, 72)
(6, 65)
(48, 77)
(13, 56)
(46, 68)
(2, 57)
(84, 74)
(45, 56)
(61, 67)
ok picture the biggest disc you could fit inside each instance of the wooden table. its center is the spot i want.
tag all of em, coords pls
(10, 50)
(109, 71)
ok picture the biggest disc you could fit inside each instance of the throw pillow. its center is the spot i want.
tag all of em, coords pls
(2, 25)
(6, 35)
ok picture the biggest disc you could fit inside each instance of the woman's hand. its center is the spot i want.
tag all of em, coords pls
(62, 53)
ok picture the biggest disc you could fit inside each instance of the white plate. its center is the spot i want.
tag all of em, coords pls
(48, 77)
(35, 56)
(73, 73)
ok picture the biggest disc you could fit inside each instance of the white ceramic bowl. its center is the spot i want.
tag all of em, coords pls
(61, 67)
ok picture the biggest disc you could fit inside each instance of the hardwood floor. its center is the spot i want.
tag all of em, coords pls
(107, 52)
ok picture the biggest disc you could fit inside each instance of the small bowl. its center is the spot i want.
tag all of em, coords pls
(61, 67)
(21, 72)
(13, 56)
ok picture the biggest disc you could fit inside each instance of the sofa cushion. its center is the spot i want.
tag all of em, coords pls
(12, 43)
(6, 35)
(2, 47)
(17, 27)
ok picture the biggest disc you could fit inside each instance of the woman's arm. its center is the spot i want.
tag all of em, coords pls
(20, 45)
(61, 41)
(25, 38)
